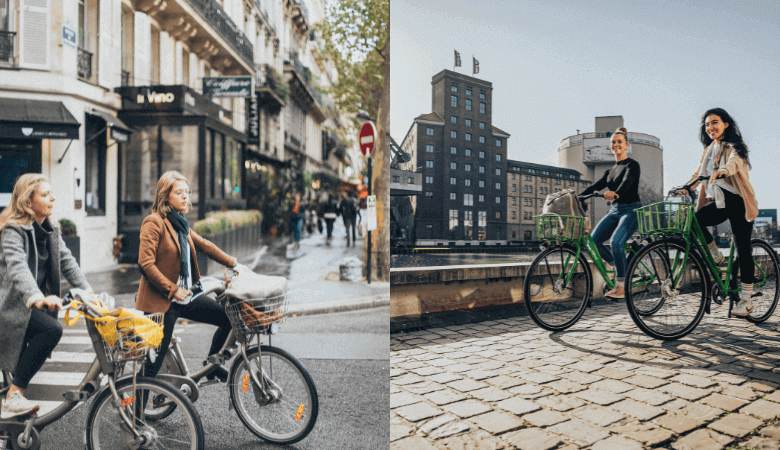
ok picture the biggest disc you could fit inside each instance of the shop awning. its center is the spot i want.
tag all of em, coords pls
(119, 131)
(36, 119)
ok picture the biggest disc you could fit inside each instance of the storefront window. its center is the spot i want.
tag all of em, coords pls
(217, 169)
(180, 152)
(139, 172)
(95, 168)
(207, 181)
(232, 169)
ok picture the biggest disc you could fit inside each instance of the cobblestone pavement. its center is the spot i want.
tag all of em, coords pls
(602, 384)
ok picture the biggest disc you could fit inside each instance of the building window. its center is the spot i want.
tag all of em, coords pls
(95, 169)
(396, 179)
(468, 104)
(498, 142)
(527, 215)
(481, 183)
(468, 168)
(542, 180)
(481, 168)
(468, 90)
(454, 134)
(429, 180)
(528, 178)
(528, 189)
(454, 101)
(453, 180)
(498, 158)
(482, 198)
(410, 180)
(428, 194)
(482, 154)
(453, 166)
(453, 218)
(482, 125)
(514, 201)
(429, 131)
(541, 202)
(468, 136)
(482, 139)
(467, 182)
(557, 181)
(498, 214)
(429, 164)
(468, 199)
(543, 190)
(468, 122)
(454, 87)
(525, 202)
(514, 216)
(513, 175)
(482, 95)
(498, 172)
(482, 107)
(498, 186)
(429, 148)
(453, 196)
(454, 119)
(453, 150)
(514, 188)
(468, 152)
(498, 199)
(571, 183)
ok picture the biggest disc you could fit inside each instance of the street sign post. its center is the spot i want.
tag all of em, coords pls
(367, 141)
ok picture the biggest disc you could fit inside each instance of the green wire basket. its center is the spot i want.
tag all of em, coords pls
(560, 228)
(665, 218)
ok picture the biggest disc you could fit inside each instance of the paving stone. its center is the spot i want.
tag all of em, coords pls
(444, 378)
(394, 372)
(398, 431)
(616, 374)
(762, 386)
(598, 397)
(530, 391)
(737, 425)
(490, 394)
(504, 381)
(441, 362)
(637, 409)
(682, 391)
(723, 402)
(762, 409)
(775, 397)
(580, 377)
(518, 406)
(467, 408)
(614, 386)
(497, 422)
(560, 402)
(417, 412)
(678, 423)
(765, 375)
(412, 443)
(466, 385)
(600, 416)
(645, 381)
(407, 379)
(693, 380)
(532, 439)
(480, 439)
(545, 418)
(643, 432)
(579, 431)
(617, 443)
(437, 422)
(585, 366)
(460, 367)
(772, 431)
(444, 397)
(539, 377)
(697, 411)
(425, 371)
(565, 386)
(424, 387)
(742, 392)
(479, 374)
(729, 378)
(760, 443)
(648, 396)
(702, 439)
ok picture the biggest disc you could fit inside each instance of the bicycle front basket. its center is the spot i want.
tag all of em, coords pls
(256, 315)
(664, 218)
(559, 228)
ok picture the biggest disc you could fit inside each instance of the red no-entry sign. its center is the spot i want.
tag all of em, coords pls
(367, 138)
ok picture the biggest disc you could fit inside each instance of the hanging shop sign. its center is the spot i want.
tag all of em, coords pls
(253, 121)
(241, 86)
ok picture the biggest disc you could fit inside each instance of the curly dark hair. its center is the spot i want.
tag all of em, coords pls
(731, 134)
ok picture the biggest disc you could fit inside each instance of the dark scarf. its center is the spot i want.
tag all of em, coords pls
(182, 228)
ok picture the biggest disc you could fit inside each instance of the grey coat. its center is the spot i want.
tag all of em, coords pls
(18, 272)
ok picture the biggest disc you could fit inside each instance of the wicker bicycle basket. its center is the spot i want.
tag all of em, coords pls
(560, 228)
(256, 315)
(127, 340)
(664, 218)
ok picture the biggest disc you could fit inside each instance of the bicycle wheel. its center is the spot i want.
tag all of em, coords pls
(159, 408)
(182, 429)
(677, 311)
(552, 302)
(644, 280)
(286, 413)
(765, 289)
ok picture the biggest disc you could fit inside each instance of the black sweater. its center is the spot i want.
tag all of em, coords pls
(622, 178)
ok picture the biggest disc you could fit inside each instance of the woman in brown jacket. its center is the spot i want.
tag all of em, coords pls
(168, 261)
(727, 194)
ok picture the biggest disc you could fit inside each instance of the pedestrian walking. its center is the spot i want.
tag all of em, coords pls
(329, 212)
(349, 212)
(296, 219)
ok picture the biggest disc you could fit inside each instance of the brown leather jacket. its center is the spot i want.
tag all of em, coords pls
(159, 256)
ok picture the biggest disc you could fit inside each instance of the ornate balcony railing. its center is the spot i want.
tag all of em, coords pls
(7, 46)
(125, 78)
(217, 18)
(84, 64)
(305, 74)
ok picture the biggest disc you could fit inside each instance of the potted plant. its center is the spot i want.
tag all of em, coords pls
(71, 238)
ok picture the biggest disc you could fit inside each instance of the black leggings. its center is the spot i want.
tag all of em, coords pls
(201, 309)
(42, 336)
(734, 211)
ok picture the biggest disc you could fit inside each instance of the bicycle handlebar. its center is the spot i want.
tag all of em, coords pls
(688, 187)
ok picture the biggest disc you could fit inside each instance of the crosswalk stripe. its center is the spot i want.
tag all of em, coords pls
(76, 340)
(58, 378)
(72, 357)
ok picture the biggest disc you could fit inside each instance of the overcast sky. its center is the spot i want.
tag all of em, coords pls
(556, 65)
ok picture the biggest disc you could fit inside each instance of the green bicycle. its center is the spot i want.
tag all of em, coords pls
(558, 286)
(681, 290)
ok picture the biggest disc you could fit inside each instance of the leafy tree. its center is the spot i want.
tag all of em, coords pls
(356, 34)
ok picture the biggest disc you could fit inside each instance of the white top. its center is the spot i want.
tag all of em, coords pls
(715, 190)
(185, 253)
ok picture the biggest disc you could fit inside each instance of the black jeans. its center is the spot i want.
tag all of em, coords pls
(734, 211)
(202, 310)
(350, 225)
(42, 335)
(329, 227)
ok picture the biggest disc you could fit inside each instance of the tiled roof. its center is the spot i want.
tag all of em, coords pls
(497, 130)
(431, 116)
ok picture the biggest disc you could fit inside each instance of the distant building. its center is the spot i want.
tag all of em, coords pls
(462, 159)
(591, 154)
(528, 186)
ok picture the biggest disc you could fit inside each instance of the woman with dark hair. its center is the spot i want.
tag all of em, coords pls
(731, 197)
(622, 182)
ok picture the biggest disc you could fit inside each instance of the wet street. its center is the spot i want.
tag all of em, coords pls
(458, 259)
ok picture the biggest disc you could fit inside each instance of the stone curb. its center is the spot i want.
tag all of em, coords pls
(374, 301)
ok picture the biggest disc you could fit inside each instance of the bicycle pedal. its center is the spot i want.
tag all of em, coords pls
(217, 359)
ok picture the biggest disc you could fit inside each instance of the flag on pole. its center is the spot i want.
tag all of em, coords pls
(476, 65)
(457, 59)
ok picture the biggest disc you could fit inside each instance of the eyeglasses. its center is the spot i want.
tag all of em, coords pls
(183, 191)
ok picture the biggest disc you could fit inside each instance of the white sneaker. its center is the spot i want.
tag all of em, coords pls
(16, 405)
(743, 308)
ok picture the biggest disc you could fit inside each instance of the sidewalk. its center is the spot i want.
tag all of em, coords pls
(602, 384)
(313, 285)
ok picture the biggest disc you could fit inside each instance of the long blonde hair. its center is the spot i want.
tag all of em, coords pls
(164, 188)
(20, 211)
